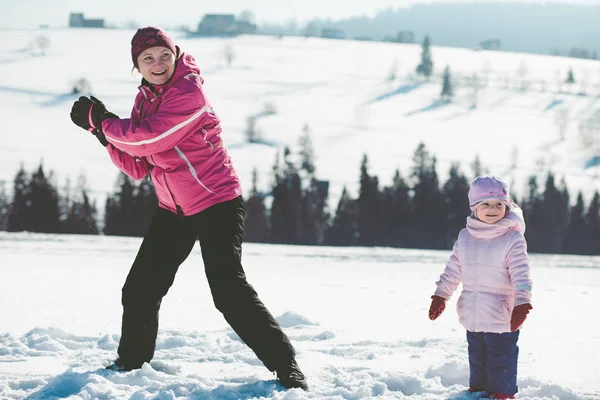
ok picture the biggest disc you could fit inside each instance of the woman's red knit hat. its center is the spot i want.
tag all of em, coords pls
(147, 37)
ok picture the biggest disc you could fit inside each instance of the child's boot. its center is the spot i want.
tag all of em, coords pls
(475, 393)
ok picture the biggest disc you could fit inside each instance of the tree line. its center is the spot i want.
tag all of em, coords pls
(414, 211)
(37, 205)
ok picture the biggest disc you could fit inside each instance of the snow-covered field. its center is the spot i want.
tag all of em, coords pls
(357, 316)
(340, 89)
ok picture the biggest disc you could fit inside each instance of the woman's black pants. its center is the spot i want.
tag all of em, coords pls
(167, 244)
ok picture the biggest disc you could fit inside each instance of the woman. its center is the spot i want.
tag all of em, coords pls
(174, 136)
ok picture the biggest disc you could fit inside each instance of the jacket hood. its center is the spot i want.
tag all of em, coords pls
(513, 221)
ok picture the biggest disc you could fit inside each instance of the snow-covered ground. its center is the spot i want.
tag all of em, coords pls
(339, 88)
(357, 316)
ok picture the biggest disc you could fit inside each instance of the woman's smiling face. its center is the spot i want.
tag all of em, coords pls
(156, 64)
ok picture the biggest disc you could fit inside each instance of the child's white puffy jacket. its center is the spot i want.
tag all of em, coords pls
(491, 262)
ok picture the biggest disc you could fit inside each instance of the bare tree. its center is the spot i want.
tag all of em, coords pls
(40, 45)
(522, 73)
(541, 163)
(559, 81)
(393, 71)
(475, 87)
(247, 16)
(584, 82)
(81, 86)
(589, 134)
(228, 54)
(251, 131)
(311, 29)
(477, 167)
(270, 108)
(561, 120)
(486, 71)
(514, 158)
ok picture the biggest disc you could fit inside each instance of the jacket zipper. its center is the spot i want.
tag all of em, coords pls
(476, 285)
(177, 206)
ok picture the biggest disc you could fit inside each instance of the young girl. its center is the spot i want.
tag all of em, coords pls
(174, 135)
(490, 260)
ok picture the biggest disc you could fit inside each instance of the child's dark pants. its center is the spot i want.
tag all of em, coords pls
(493, 361)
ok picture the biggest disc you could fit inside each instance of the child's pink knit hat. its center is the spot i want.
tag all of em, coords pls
(147, 37)
(486, 188)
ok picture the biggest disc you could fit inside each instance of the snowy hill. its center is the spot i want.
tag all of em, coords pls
(340, 89)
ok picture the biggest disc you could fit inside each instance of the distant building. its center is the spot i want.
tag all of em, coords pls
(246, 27)
(405, 37)
(490, 44)
(333, 33)
(224, 25)
(77, 20)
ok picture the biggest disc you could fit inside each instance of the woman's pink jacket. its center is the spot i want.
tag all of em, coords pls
(174, 135)
(491, 262)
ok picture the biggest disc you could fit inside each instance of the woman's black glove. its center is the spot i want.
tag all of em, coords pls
(88, 113)
(100, 136)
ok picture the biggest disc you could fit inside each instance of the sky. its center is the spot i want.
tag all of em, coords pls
(29, 14)
(356, 316)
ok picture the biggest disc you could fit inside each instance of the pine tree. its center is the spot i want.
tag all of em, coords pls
(119, 215)
(570, 76)
(563, 208)
(82, 213)
(255, 221)
(456, 196)
(44, 204)
(425, 68)
(396, 213)
(344, 228)
(592, 222)
(307, 153)
(144, 206)
(534, 217)
(315, 215)
(555, 210)
(4, 203)
(575, 236)
(369, 208)
(286, 207)
(19, 214)
(447, 91)
(429, 208)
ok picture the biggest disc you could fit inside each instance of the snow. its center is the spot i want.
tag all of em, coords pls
(338, 87)
(357, 317)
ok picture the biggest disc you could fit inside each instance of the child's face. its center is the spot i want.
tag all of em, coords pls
(491, 211)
